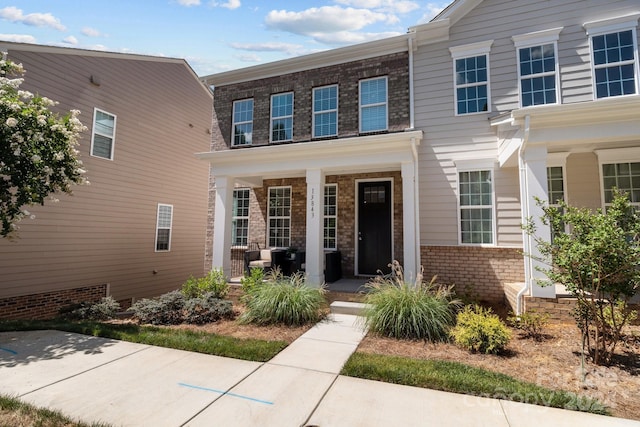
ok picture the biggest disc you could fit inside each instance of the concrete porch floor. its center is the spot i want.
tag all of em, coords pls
(343, 285)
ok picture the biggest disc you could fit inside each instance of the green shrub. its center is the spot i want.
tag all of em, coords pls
(480, 330)
(530, 323)
(250, 281)
(409, 311)
(207, 309)
(284, 300)
(215, 281)
(165, 310)
(103, 310)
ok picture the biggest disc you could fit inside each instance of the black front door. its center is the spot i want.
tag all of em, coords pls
(374, 227)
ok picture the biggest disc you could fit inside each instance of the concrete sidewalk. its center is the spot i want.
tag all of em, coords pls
(126, 384)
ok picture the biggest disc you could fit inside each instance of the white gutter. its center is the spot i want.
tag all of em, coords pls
(416, 205)
(524, 207)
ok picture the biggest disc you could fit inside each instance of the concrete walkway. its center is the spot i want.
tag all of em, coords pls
(126, 384)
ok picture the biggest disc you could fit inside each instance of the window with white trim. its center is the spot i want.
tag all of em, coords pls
(240, 220)
(471, 77)
(164, 221)
(331, 216)
(555, 185)
(282, 117)
(623, 176)
(325, 111)
(104, 133)
(242, 127)
(373, 105)
(279, 217)
(476, 207)
(614, 55)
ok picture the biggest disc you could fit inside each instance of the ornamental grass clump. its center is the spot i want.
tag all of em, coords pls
(284, 300)
(403, 310)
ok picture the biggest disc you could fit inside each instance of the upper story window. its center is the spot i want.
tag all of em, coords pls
(282, 117)
(240, 221)
(373, 105)
(471, 77)
(242, 122)
(538, 67)
(104, 134)
(325, 111)
(164, 222)
(614, 53)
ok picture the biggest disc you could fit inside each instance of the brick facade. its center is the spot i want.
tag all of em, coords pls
(47, 305)
(477, 271)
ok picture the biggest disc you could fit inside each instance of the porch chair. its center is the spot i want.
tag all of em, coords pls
(256, 257)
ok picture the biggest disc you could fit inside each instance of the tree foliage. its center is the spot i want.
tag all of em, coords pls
(596, 256)
(38, 157)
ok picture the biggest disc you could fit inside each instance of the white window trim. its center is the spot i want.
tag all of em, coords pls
(560, 160)
(539, 38)
(332, 216)
(269, 217)
(468, 51)
(233, 123)
(476, 165)
(315, 113)
(235, 217)
(385, 103)
(94, 132)
(272, 117)
(614, 155)
(163, 228)
(614, 25)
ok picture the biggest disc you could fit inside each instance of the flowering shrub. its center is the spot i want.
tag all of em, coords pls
(37, 149)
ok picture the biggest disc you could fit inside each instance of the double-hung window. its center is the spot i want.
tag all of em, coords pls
(325, 111)
(282, 117)
(471, 77)
(240, 221)
(623, 176)
(331, 216)
(476, 207)
(104, 134)
(242, 122)
(279, 217)
(538, 67)
(614, 55)
(164, 221)
(373, 105)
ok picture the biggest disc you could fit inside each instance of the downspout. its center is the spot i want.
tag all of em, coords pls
(524, 206)
(411, 99)
(416, 166)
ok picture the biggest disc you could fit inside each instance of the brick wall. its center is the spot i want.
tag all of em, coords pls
(47, 305)
(477, 271)
(346, 76)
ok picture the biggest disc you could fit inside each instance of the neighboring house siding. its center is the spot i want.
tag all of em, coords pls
(105, 232)
(450, 138)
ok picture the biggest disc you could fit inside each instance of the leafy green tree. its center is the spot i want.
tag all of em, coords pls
(38, 157)
(596, 256)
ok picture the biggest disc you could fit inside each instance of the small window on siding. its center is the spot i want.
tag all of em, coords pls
(614, 63)
(476, 207)
(624, 177)
(472, 85)
(240, 230)
(331, 216)
(103, 136)
(373, 105)
(242, 122)
(538, 74)
(163, 227)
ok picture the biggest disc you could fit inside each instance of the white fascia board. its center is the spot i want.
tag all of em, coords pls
(325, 58)
(386, 150)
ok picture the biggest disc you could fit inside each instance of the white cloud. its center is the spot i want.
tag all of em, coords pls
(289, 48)
(431, 10)
(189, 2)
(326, 19)
(70, 40)
(91, 32)
(248, 58)
(18, 38)
(388, 6)
(351, 37)
(14, 14)
(99, 47)
(230, 4)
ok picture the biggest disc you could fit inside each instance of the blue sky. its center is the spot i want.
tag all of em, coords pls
(212, 35)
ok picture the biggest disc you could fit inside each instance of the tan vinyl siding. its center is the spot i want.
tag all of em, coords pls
(105, 232)
(449, 138)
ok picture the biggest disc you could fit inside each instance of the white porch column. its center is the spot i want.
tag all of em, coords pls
(535, 164)
(222, 223)
(409, 232)
(315, 228)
